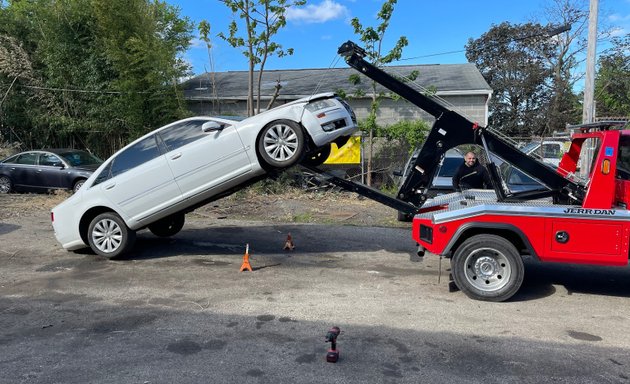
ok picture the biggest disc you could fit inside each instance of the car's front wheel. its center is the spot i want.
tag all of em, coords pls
(5, 184)
(77, 185)
(109, 236)
(168, 226)
(281, 144)
(488, 267)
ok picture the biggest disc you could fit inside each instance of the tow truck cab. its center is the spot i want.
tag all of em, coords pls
(486, 238)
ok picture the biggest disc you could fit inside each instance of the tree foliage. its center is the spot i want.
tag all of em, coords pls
(372, 39)
(101, 72)
(513, 60)
(411, 133)
(263, 19)
(612, 83)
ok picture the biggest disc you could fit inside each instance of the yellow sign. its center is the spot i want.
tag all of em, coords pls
(350, 153)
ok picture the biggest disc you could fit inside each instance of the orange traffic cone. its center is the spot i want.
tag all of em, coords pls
(288, 245)
(246, 264)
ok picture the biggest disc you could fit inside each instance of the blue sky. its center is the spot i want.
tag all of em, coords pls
(433, 28)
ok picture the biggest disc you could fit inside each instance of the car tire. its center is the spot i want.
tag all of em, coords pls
(109, 236)
(281, 144)
(77, 185)
(487, 267)
(317, 157)
(168, 226)
(6, 185)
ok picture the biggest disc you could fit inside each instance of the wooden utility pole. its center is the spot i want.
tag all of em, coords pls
(588, 112)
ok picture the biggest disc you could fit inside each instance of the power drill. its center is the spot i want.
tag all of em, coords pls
(331, 337)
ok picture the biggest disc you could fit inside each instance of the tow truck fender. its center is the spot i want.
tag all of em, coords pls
(510, 232)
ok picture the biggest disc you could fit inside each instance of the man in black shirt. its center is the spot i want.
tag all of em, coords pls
(471, 174)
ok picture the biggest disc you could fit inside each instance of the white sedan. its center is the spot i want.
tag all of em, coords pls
(152, 182)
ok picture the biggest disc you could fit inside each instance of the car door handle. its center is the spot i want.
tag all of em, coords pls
(108, 187)
(176, 156)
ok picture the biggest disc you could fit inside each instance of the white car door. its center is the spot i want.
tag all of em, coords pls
(201, 161)
(139, 181)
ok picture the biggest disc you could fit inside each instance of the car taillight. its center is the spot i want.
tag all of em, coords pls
(52, 217)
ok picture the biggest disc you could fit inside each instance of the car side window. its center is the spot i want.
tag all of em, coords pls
(551, 150)
(27, 159)
(138, 154)
(11, 160)
(183, 133)
(50, 160)
(104, 175)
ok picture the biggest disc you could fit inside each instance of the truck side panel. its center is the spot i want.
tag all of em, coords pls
(590, 241)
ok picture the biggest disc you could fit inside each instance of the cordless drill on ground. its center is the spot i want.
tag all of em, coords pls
(331, 337)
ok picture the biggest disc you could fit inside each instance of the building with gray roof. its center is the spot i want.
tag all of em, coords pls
(460, 86)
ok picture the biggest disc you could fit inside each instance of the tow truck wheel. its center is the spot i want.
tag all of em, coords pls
(487, 267)
(168, 226)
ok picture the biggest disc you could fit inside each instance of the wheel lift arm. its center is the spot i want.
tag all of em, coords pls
(451, 129)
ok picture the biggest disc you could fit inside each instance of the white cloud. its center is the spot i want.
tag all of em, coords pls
(325, 11)
(615, 32)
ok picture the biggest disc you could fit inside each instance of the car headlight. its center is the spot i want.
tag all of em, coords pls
(319, 104)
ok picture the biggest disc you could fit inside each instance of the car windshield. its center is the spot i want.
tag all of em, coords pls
(450, 165)
(78, 158)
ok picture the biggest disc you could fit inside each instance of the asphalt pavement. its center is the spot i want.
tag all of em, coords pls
(179, 311)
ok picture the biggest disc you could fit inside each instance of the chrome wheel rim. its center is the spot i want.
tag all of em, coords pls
(5, 185)
(78, 185)
(280, 142)
(487, 269)
(107, 235)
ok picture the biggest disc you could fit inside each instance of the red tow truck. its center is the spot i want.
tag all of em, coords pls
(486, 233)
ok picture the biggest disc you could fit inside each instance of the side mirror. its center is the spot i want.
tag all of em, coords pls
(211, 126)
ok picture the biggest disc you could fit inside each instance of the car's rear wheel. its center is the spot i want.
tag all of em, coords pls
(488, 267)
(317, 157)
(77, 185)
(281, 144)
(5, 184)
(109, 236)
(168, 226)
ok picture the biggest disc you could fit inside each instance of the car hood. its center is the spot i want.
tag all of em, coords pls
(87, 167)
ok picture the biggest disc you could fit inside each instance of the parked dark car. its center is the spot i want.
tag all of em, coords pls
(43, 170)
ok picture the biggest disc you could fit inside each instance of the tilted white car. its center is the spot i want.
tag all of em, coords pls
(154, 181)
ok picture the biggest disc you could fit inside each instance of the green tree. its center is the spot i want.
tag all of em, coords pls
(263, 19)
(372, 39)
(101, 72)
(513, 60)
(612, 83)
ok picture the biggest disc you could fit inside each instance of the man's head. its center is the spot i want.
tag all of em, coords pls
(470, 159)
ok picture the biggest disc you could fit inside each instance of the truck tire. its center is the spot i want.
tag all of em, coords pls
(487, 267)
(109, 236)
(168, 226)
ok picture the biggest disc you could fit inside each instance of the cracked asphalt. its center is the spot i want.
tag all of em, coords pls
(179, 311)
